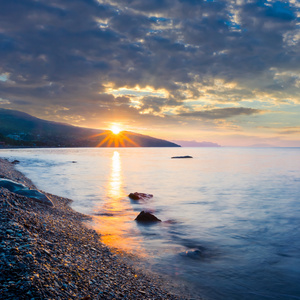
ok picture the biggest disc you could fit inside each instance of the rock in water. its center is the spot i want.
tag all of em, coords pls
(23, 190)
(186, 156)
(146, 217)
(15, 162)
(194, 254)
(139, 196)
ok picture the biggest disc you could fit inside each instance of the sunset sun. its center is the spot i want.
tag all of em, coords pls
(115, 129)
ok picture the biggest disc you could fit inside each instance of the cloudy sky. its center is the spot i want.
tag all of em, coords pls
(219, 71)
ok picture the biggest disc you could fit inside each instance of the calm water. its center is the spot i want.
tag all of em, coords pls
(231, 215)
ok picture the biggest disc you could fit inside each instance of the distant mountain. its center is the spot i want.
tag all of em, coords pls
(21, 129)
(195, 144)
(261, 146)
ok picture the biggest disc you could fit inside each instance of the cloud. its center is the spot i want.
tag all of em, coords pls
(4, 101)
(222, 113)
(289, 130)
(65, 53)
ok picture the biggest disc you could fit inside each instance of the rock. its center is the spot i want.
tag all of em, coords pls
(30, 256)
(195, 254)
(186, 156)
(198, 253)
(15, 162)
(139, 196)
(146, 217)
(36, 195)
(104, 214)
(11, 185)
(23, 190)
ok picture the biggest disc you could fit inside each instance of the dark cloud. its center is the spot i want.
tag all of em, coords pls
(288, 132)
(64, 53)
(221, 113)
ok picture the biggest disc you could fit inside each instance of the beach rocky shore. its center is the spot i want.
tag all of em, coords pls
(46, 252)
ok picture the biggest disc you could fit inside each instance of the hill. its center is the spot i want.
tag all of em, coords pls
(21, 129)
(195, 144)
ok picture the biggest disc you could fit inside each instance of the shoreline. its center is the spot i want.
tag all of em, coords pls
(49, 253)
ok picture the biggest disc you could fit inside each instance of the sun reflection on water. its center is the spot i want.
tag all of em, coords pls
(115, 182)
(114, 218)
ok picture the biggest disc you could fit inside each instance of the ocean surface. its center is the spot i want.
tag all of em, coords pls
(231, 216)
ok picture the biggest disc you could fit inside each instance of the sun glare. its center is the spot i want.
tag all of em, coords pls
(115, 137)
(115, 129)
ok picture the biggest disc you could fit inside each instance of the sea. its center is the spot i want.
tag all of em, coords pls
(230, 216)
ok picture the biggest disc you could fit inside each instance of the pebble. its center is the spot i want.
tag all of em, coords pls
(48, 253)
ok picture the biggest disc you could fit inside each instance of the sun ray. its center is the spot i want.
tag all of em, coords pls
(103, 141)
(112, 139)
(129, 140)
(99, 134)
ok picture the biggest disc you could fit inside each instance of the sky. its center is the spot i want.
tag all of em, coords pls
(226, 72)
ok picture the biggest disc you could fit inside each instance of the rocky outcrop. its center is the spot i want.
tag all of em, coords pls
(146, 217)
(139, 196)
(186, 156)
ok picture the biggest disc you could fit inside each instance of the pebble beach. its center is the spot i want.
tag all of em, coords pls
(46, 252)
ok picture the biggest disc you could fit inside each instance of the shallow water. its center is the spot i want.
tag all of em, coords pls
(230, 216)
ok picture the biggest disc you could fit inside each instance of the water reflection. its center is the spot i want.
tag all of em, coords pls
(115, 181)
(114, 218)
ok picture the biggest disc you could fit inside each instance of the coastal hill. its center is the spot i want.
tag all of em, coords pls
(195, 144)
(21, 129)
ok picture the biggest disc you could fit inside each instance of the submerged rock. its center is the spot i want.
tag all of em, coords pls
(199, 252)
(139, 196)
(15, 162)
(194, 254)
(23, 190)
(105, 214)
(146, 217)
(186, 156)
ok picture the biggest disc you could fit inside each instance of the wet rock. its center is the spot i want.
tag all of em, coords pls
(15, 162)
(23, 190)
(195, 254)
(198, 253)
(11, 185)
(146, 217)
(186, 156)
(105, 214)
(139, 196)
(30, 256)
(36, 195)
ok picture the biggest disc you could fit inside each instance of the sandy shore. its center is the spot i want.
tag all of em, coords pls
(48, 253)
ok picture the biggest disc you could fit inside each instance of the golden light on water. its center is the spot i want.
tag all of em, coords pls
(115, 183)
(116, 216)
